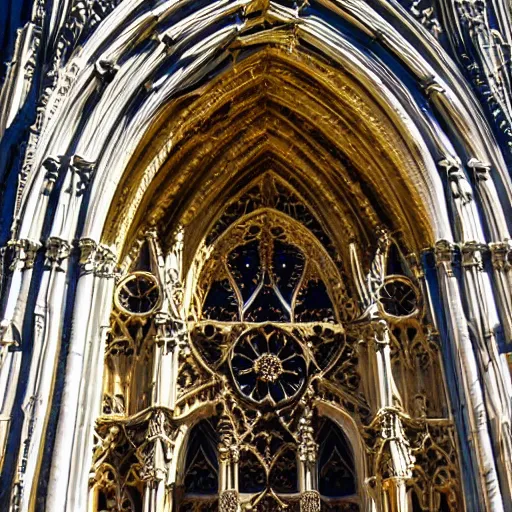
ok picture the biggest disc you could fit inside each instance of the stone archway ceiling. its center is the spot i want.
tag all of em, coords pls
(269, 113)
(152, 61)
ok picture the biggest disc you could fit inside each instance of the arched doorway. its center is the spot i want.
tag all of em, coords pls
(162, 120)
(280, 339)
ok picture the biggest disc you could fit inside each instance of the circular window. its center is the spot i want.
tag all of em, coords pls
(138, 294)
(268, 365)
(398, 297)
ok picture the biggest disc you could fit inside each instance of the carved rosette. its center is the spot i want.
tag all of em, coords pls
(310, 501)
(228, 501)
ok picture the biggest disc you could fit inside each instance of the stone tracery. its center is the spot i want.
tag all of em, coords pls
(262, 357)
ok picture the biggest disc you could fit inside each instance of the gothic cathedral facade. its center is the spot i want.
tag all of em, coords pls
(256, 256)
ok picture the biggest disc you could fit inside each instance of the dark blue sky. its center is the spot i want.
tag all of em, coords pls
(13, 15)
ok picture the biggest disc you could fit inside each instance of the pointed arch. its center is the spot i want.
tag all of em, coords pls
(326, 86)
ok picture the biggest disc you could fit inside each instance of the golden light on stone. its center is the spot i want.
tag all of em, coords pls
(268, 367)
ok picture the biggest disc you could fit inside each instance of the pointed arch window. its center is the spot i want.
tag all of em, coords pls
(268, 316)
(201, 472)
(337, 482)
(266, 275)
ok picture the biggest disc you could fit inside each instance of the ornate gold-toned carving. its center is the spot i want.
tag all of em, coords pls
(138, 294)
(346, 120)
(228, 501)
(398, 297)
(264, 335)
(310, 501)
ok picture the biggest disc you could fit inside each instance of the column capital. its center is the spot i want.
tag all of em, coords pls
(88, 253)
(105, 70)
(443, 254)
(105, 263)
(501, 253)
(24, 253)
(481, 169)
(52, 166)
(376, 331)
(472, 254)
(84, 171)
(57, 253)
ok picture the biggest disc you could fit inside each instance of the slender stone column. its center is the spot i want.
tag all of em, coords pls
(49, 314)
(394, 462)
(496, 379)
(464, 358)
(93, 337)
(501, 257)
(228, 468)
(307, 458)
(160, 449)
(170, 332)
(61, 460)
(500, 236)
(37, 402)
(12, 323)
(10, 332)
(481, 309)
(157, 468)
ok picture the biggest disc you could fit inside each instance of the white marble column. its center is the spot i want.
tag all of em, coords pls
(483, 320)
(469, 379)
(92, 336)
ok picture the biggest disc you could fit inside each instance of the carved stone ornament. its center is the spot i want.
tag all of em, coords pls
(105, 263)
(310, 501)
(501, 254)
(398, 297)
(228, 501)
(138, 294)
(57, 252)
(268, 365)
(24, 253)
(472, 254)
(443, 253)
(255, 323)
(88, 255)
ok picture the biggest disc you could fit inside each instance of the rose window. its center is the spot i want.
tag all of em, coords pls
(398, 298)
(268, 365)
(138, 294)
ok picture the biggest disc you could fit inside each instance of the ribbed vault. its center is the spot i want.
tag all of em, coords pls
(303, 119)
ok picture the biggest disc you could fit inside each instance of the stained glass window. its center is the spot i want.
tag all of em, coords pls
(267, 321)
(267, 279)
(336, 473)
